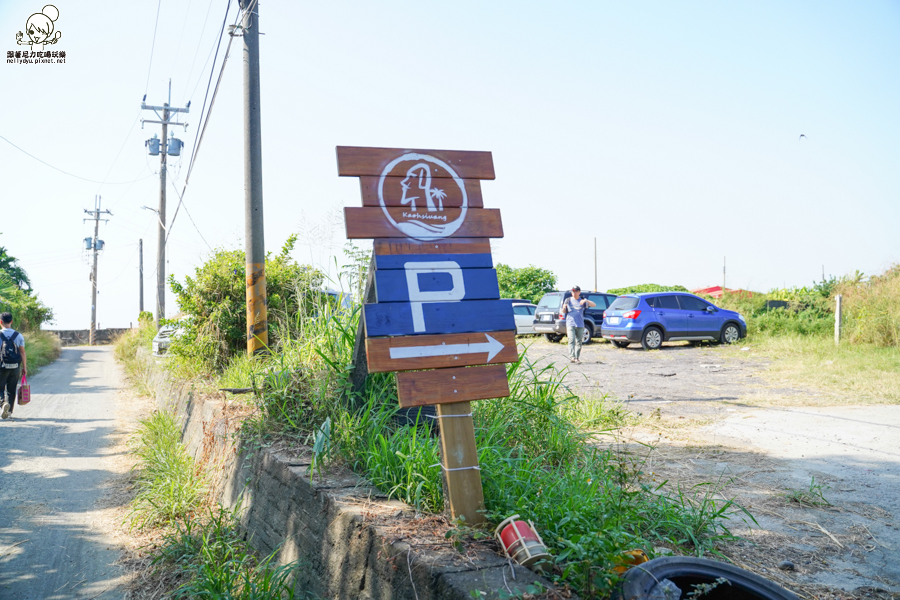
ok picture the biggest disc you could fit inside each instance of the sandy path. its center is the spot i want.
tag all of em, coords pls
(55, 464)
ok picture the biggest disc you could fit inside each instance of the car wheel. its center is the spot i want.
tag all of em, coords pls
(687, 572)
(652, 338)
(588, 334)
(730, 334)
(619, 344)
(552, 337)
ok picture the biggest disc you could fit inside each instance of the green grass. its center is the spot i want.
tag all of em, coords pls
(126, 348)
(170, 485)
(809, 496)
(216, 562)
(855, 373)
(42, 348)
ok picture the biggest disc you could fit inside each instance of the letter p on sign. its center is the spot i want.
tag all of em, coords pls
(416, 296)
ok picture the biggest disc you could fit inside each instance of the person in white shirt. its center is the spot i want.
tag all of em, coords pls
(12, 363)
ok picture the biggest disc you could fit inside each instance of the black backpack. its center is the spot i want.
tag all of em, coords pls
(9, 352)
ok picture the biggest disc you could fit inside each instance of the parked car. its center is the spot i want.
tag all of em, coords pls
(657, 317)
(547, 317)
(524, 313)
(163, 340)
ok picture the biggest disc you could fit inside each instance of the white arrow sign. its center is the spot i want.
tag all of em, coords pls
(491, 346)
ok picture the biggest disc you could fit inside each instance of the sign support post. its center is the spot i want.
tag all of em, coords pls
(459, 461)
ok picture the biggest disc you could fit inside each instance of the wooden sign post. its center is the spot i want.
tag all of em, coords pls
(437, 318)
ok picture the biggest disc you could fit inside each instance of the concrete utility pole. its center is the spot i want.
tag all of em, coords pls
(837, 319)
(95, 246)
(255, 248)
(723, 276)
(595, 265)
(165, 121)
(140, 276)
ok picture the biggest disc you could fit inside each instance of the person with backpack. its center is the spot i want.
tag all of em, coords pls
(12, 356)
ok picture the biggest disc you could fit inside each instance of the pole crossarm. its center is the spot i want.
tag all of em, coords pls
(175, 109)
(169, 122)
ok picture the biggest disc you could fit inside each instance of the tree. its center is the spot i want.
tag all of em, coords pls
(10, 265)
(528, 283)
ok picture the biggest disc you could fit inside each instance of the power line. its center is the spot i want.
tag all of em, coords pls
(152, 47)
(71, 174)
(122, 147)
(197, 51)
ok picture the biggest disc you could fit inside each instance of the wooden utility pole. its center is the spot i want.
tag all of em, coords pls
(837, 320)
(255, 247)
(95, 217)
(140, 276)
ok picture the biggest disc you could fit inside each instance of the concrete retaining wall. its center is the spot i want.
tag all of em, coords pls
(81, 337)
(353, 541)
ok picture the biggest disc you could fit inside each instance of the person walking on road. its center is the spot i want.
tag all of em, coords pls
(573, 308)
(12, 356)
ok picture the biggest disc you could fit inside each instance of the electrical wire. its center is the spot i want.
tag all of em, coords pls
(119, 153)
(197, 51)
(152, 47)
(71, 174)
(180, 204)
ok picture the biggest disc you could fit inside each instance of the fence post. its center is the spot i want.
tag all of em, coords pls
(837, 320)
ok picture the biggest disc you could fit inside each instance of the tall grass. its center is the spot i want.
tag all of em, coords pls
(218, 563)
(170, 485)
(42, 348)
(125, 349)
(872, 309)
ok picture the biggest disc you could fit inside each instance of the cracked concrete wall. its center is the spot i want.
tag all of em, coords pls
(340, 528)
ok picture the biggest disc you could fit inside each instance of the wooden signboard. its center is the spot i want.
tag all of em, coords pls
(438, 319)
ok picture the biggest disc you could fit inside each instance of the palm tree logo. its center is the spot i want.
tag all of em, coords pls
(420, 176)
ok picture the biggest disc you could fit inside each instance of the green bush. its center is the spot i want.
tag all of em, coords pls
(647, 287)
(214, 307)
(872, 309)
(527, 283)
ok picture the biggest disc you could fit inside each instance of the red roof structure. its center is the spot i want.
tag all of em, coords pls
(716, 292)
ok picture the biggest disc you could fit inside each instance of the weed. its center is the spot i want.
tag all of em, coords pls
(701, 589)
(811, 496)
(170, 486)
(43, 349)
(218, 563)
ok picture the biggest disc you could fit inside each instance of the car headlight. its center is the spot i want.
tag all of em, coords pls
(741, 317)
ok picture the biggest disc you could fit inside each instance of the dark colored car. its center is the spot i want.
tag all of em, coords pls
(657, 317)
(547, 321)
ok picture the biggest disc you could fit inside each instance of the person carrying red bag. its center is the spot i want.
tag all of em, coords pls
(12, 356)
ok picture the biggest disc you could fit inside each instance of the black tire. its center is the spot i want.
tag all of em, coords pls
(619, 344)
(652, 338)
(686, 572)
(552, 338)
(730, 334)
(588, 334)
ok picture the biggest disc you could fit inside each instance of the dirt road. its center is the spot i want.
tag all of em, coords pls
(56, 459)
(711, 415)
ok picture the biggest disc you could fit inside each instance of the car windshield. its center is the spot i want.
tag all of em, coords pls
(550, 301)
(624, 303)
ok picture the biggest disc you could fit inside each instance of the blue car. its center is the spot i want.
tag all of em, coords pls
(657, 317)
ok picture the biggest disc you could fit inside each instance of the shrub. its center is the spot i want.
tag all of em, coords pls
(214, 307)
(647, 287)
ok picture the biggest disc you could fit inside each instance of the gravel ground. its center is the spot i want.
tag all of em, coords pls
(710, 414)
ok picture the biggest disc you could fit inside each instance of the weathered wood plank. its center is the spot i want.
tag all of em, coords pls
(440, 351)
(392, 192)
(356, 161)
(367, 222)
(464, 492)
(385, 247)
(416, 388)
(396, 318)
(443, 281)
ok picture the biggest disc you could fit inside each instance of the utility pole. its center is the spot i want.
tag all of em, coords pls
(255, 248)
(837, 319)
(140, 276)
(595, 265)
(95, 245)
(723, 276)
(162, 147)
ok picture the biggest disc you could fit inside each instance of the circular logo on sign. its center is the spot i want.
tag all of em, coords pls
(422, 196)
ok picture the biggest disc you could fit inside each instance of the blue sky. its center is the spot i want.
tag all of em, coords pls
(668, 131)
